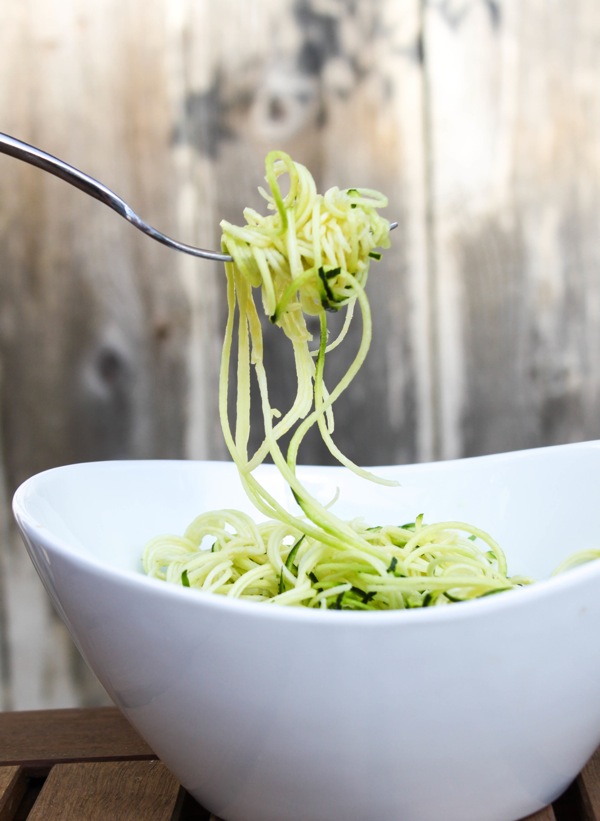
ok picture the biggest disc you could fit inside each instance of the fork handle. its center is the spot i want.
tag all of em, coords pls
(47, 162)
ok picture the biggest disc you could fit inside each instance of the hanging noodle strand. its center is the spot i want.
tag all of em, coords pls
(308, 257)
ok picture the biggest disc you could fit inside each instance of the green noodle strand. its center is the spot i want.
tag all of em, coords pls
(309, 256)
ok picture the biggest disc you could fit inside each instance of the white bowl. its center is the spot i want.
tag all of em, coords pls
(480, 711)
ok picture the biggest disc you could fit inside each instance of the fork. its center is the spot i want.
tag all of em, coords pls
(47, 162)
(35, 156)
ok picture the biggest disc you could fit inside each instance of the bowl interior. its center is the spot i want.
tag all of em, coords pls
(540, 505)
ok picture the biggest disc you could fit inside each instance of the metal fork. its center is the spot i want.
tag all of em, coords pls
(35, 156)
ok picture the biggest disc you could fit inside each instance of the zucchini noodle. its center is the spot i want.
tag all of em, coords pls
(310, 255)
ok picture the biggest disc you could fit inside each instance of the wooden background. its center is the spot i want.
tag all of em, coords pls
(479, 118)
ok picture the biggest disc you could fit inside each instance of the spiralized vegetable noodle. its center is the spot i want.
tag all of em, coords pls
(308, 256)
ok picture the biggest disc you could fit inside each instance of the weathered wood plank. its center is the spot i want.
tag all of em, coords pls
(122, 791)
(12, 789)
(39, 739)
(513, 110)
(588, 785)
(93, 320)
(195, 47)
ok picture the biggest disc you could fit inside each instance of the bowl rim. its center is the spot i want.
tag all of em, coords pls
(522, 596)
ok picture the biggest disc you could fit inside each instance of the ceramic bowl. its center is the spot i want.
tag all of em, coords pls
(478, 711)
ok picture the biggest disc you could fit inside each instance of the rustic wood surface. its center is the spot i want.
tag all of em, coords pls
(38, 738)
(97, 791)
(12, 790)
(480, 119)
(513, 111)
(588, 785)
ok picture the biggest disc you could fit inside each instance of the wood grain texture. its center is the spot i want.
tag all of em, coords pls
(588, 785)
(12, 789)
(515, 188)
(92, 316)
(121, 791)
(37, 739)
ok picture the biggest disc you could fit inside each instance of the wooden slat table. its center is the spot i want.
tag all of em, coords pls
(85, 765)
(90, 765)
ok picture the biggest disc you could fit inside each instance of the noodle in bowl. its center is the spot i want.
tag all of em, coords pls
(478, 711)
